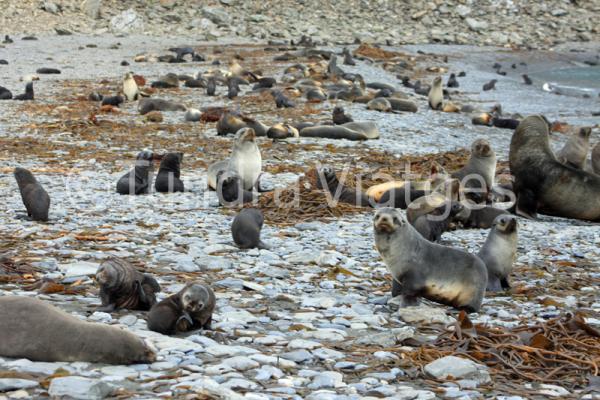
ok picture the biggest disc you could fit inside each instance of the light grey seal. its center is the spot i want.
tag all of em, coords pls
(499, 251)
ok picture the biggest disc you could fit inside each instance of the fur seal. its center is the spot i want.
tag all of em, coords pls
(5, 94)
(339, 117)
(542, 184)
(436, 94)
(479, 217)
(28, 95)
(452, 81)
(138, 180)
(348, 60)
(315, 95)
(188, 310)
(402, 105)
(211, 86)
(246, 227)
(230, 190)
(490, 85)
(447, 190)
(35, 198)
(575, 151)
(213, 171)
(327, 179)
(37, 331)
(350, 131)
(130, 87)
(47, 71)
(282, 131)
(246, 160)
(423, 269)
(113, 100)
(147, 105)
(282, 101)
(499, 251)
(432, 225)
(481, 165)
(527, 80)
(596, 158)
(379, 104)
(167, 179)
(231, 123)
(123, 286)
(399, 196)
(233, 88)
(168, 81)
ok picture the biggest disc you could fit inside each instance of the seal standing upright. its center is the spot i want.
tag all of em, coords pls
(37, 331)
(499, 251)
(480, 167)
(246, 160)
(138, 180)
(35, 198)
(575, 151)
(424, 269)
(123, 286)
(436, 94)
(167, 179)
(246, 227)
(542, 183)
(189, 309)
(130, 87)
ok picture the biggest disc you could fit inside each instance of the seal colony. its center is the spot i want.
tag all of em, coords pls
(419, 268)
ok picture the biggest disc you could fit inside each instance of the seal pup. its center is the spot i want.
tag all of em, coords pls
(232, 123)
(123, 286)
(281, 101)
(499, 251)
(423, 269)
(431, 226)
(479, 217)
(38, 331)
(447, 190)
(282, 131)
(35, 198)
(113, 100)
(213, 172)
(233, 88)
(246, 160)
(138, 180)
(348, 60)
(340, 117)
(230, 190)
(130, 87)
(189, 309)
(436, 94)
(481, 165)
(5, 94)
(543, 184)
(452, 81)
(147, 105)
(211, 86)
(167, 179)
(527, 80)
(575, 151)
(379, 104)
(490, 85)
(327, 179)
(28, 95)
(246, 227)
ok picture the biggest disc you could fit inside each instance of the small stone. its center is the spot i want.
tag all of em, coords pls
(91, 8)
(8, 384)
(156, 116)
(80, 268)
(476, 25)
(387, 339)
(424, 314)
(303, 344)
(127, 21)
(463, 10)
(297, 356)
(78, 387)
(457, 367)
(240, 363)
(327, 379)
(559, 12)
(128, 320)
(50, 7)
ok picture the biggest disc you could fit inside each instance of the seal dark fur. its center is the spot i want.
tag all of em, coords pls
(28, 95)
(147, 105)
(190, 309)
(123, 286)
(35, 198)
(246, 227)
(432, 225)
(327, 179)
(38, 331)
(230, 190)
(138, 180)
(167, 179)
(542, 184)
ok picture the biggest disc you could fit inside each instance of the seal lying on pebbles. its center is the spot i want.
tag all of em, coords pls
(28, 95)
(167, 179)
(123, 286)
(282, 131)
(490, 85)
(113, 100)
(479, 217)
(5, 94)
(432, 225)
(190, 309)
(478, 175)
(230, 123)
(37, 331)
(448, 190)
(47, 71)
(138, 180)
(35, 198)
(402, 105)
(379, 104)
(575, 151)
(130, 87)
(423, 269)
(542, 183)
(350, 131)
(327, 179)
(246, 227)
(147, 105)
(436, 94)
(339, 117)
(499, 251)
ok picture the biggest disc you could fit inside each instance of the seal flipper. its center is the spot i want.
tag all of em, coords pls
(396, 288)
(504, 283)
(494, 284)
(262, 245)
(526, 204)
(150, 281)
(207, 324)
(184, 323)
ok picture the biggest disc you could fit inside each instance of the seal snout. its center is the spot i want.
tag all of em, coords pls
(386, 221)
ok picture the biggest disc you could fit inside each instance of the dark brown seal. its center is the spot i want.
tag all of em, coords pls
(35, 198)
(246, 227)
(38, 331)
(542, 184)
(189, 309)
(169, 172)
(327, 179)
(122, 286)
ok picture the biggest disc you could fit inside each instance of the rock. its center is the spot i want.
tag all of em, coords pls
(303, 344)
(9, 384)
(127, 21)
(424, 314)
(463, 10)
(327, 379)
(91, 8)
(553, 390)
(559, 12)
(240, 363)
(50, 7)
(476, 25)
(217, 15)
(77, 387)
(387, 339)
(156, 116)
(80, 268)
(297, 356)
(237, 384)
(168, 4)
(457, 368)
